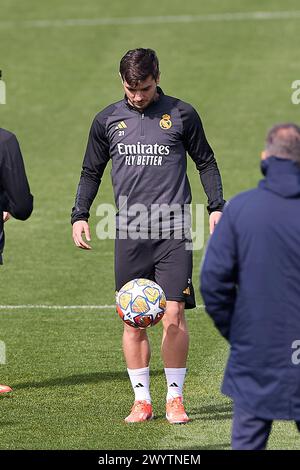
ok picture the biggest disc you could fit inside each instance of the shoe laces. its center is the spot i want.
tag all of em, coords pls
(139, 405)
(177, 404)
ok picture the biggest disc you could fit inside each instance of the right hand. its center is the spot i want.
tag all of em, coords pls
(6, 216)
(79, 228)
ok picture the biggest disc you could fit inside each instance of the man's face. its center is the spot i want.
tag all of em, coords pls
(143, 94)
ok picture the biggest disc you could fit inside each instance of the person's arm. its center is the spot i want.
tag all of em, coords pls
(94, 163)
(16, 197)
(219, 274)
(198, 148)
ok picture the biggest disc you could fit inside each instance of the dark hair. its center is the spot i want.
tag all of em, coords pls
(138, 64)
(283, 140)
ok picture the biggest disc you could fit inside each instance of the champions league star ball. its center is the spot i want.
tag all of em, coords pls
(141, 303)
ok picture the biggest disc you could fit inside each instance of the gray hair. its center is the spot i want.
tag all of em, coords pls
(283, 141)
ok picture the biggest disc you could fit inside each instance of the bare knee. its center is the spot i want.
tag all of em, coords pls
(174, 314)
(134, 334)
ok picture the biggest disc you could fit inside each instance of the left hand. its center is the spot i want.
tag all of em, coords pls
(213, 220)
(6, 216)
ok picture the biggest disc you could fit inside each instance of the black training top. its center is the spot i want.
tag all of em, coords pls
(148, 151)
(15, 196)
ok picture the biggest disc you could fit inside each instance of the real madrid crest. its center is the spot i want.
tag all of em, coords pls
(165, 122)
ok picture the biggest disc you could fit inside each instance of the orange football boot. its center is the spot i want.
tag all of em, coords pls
(141, 411)
(175, 412)
(5, 389)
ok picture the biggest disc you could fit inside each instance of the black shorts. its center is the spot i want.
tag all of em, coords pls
(164, 261)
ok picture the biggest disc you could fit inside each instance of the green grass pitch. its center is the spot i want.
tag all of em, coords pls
(66, 366)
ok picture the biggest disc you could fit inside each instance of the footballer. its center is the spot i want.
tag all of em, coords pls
(148, 135)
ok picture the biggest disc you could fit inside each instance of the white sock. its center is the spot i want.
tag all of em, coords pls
(175, 380)
(140, 379)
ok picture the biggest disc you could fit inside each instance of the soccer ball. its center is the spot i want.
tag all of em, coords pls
(141, 303)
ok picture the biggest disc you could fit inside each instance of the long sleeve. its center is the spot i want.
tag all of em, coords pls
(202, 154)
(218, 282)
(94, 163)
(15, 191)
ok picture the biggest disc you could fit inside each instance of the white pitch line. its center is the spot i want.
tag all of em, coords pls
(63, 307)
(141, 20)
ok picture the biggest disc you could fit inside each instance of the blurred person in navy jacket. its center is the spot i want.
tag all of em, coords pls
(250, 283)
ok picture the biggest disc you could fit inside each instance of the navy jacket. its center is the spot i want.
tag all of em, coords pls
(15, 196)
(250, 283)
